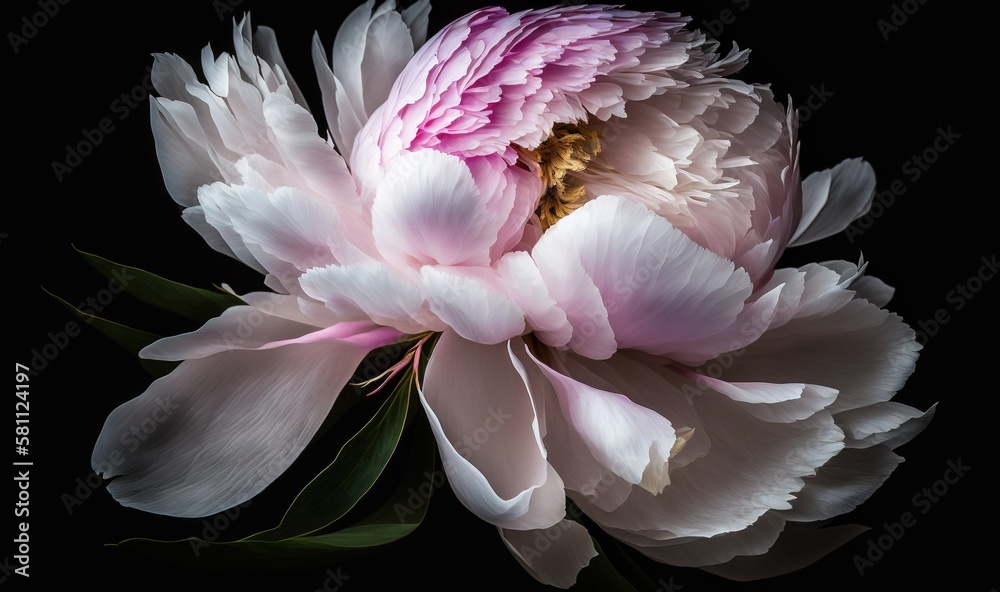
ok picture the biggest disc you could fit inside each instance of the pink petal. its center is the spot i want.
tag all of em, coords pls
(662, 293)
(429, 211)
(484, 417)
(474, 307)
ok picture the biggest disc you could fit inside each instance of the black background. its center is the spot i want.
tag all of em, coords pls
(887, 93)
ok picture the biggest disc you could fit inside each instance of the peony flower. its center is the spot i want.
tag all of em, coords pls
(579, 213)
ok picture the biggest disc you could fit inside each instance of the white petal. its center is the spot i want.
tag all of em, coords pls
(646, 382)
(341, 120)
(237, 328)
(832, 340)
(372, 47)
(428, 210)
(553, 556)
(217, 430)
(868, 287)
(574, 292)
(891, 424)
(755, 539)
(751, 468)
(213, 198)
(185, 165)
(797, 547)
(285, 232)
(195, 217)
(386, 296)
(348, 51)
(833, 198)
(388, 47)
(323, 171)
(663, 293)
(842, 484)
(784, 403)
(416, 16)
(524, 284)
(631, 441)
(482, 412)
(266, 47)
(474, 309)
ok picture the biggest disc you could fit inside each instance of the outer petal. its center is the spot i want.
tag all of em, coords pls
(891, 424)
(554, 556)
(238, 327)
(842, 484)
(371, 49)
(482, 412)
(835, 340)
(755, 539)
(217, 430)
(284, 232)
(662, 292)
(796, 548)
(625, 438)
(833, 198)
(751, 468)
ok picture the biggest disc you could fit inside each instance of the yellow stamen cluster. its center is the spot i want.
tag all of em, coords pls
(568, 149)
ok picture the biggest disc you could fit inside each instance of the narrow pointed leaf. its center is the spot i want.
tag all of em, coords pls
(340, 486)
(129, 338)
(196, 304)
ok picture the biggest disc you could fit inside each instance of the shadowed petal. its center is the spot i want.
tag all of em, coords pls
(553, 556)
(217, 430)
(484, 418)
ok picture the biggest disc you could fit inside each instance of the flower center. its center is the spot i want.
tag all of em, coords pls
(568, 149)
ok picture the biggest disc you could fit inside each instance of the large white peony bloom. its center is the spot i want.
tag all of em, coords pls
(581, 214)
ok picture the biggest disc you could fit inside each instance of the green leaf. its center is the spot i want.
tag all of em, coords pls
(340, 486)
(131, 339)
(396, 518)
(196, 304)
